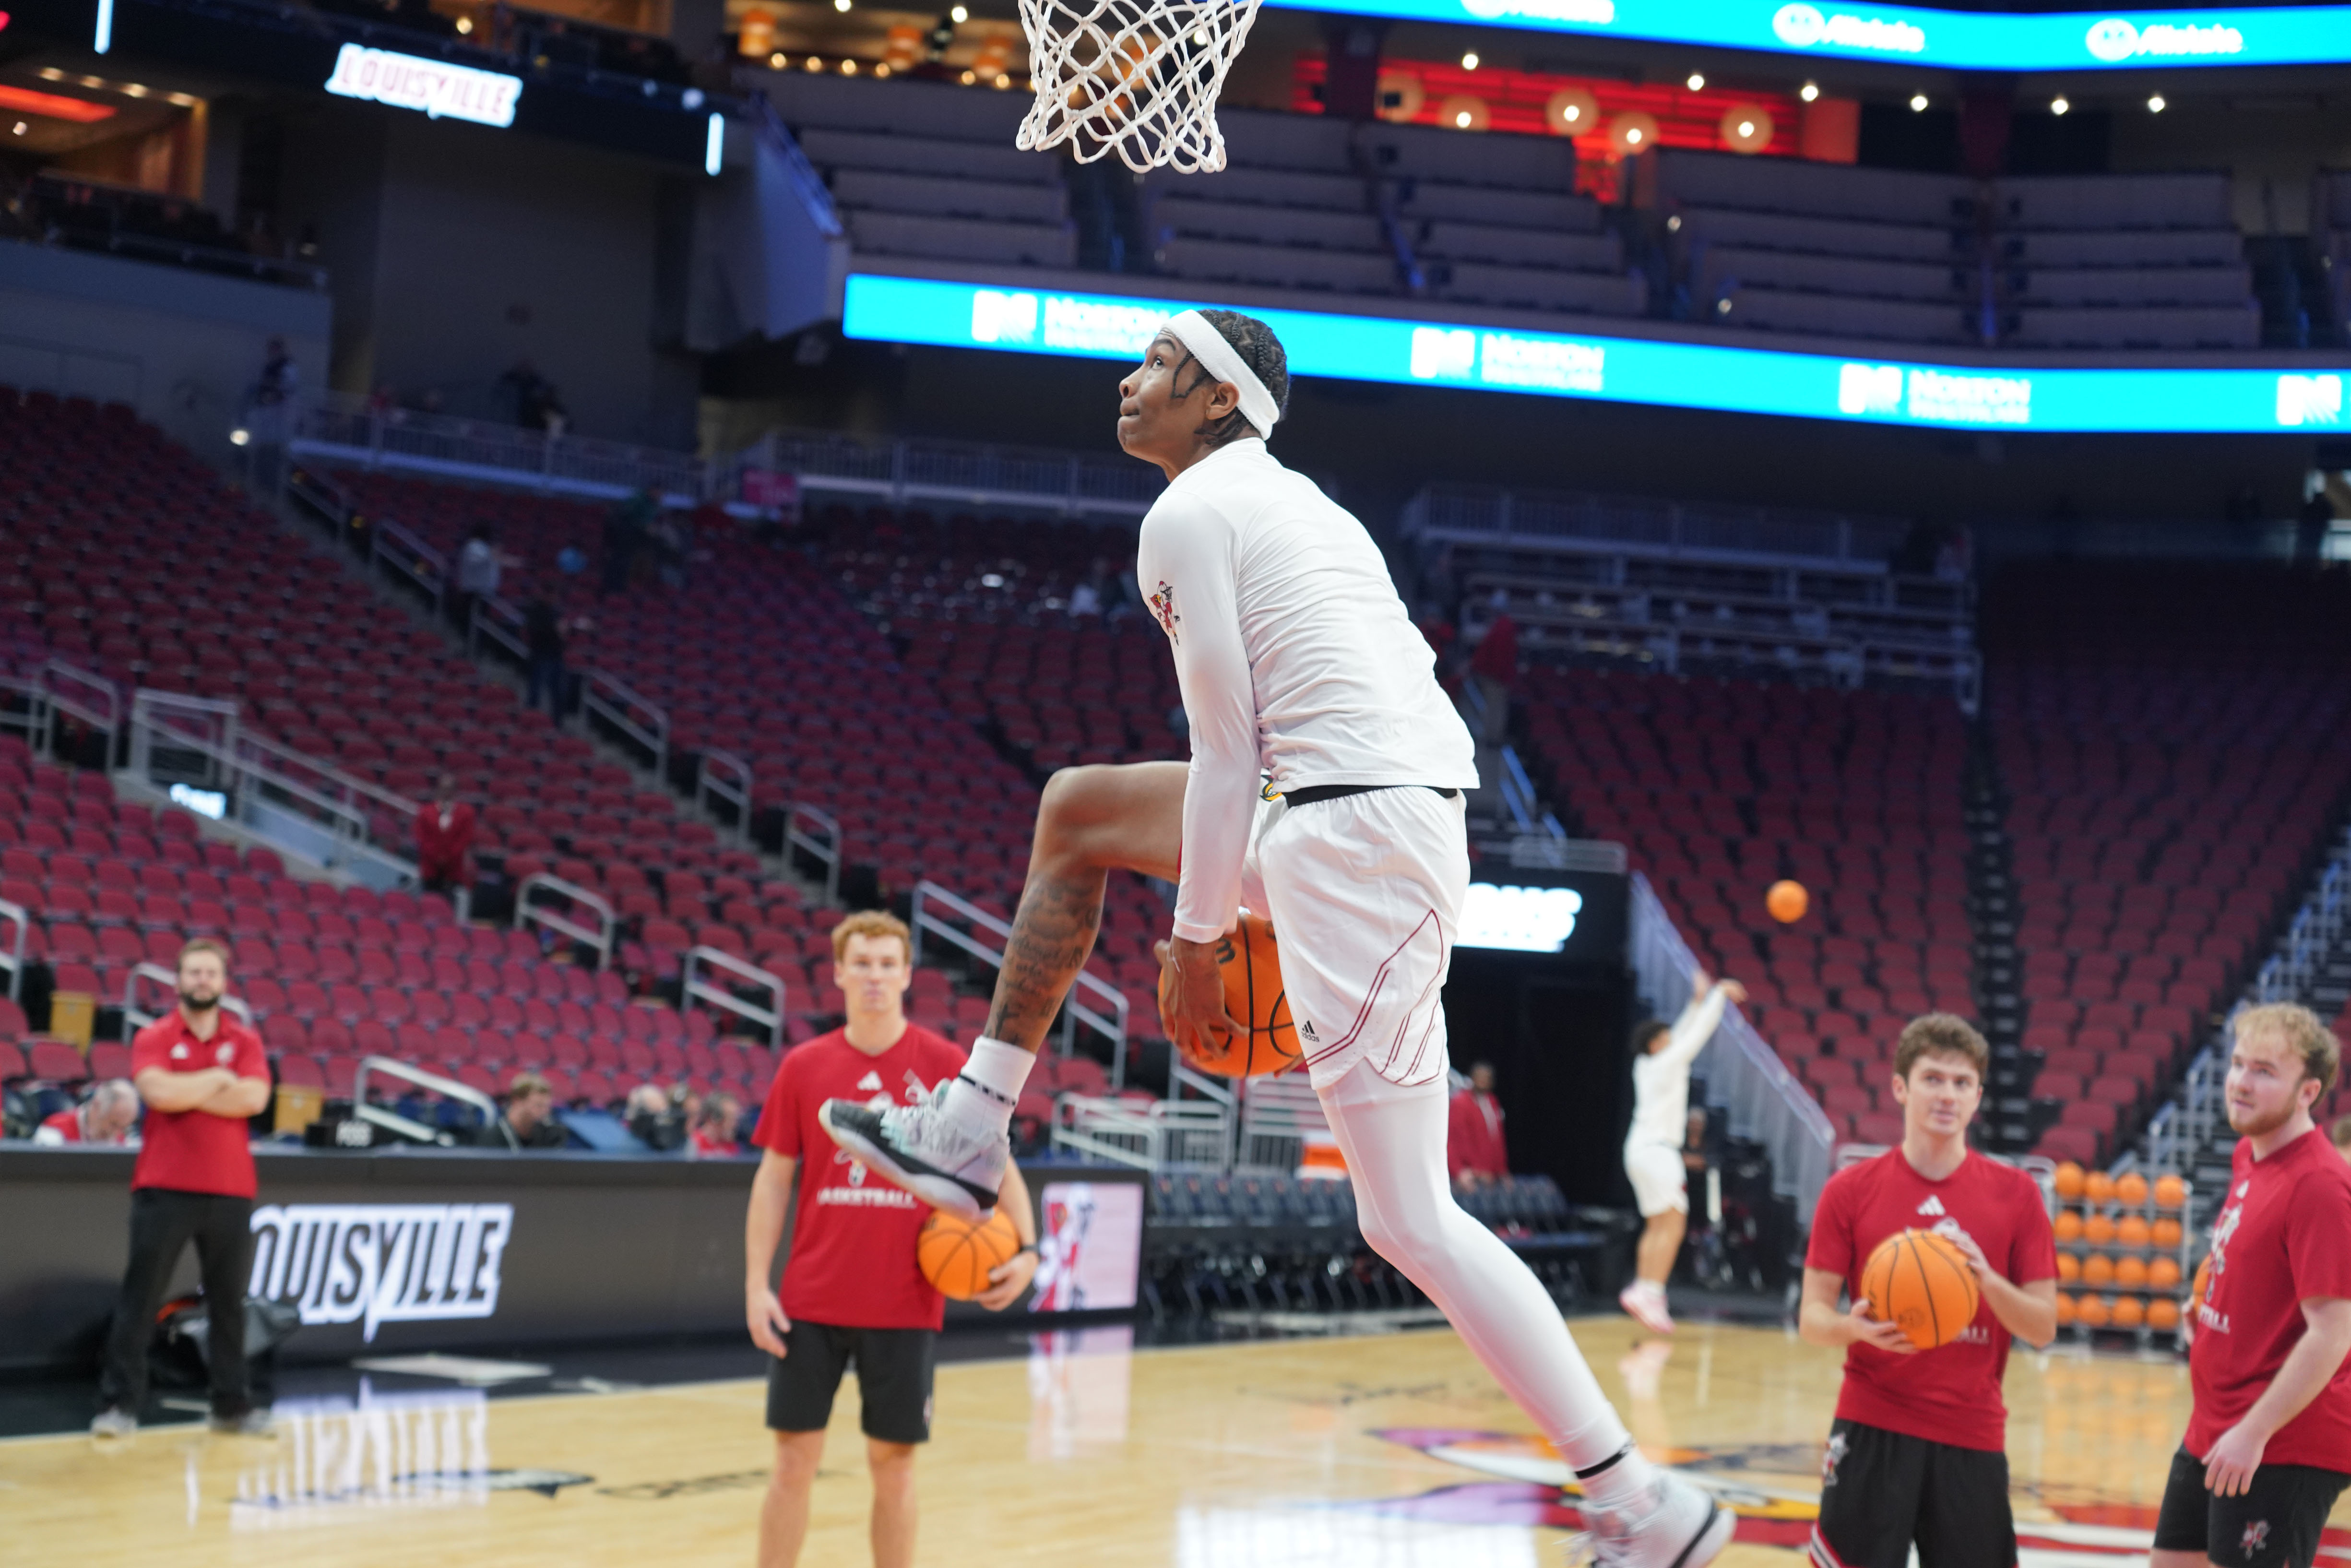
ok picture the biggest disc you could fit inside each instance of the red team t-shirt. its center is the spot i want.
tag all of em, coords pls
(2284, 1237)
(852, 1259)
(1949, 1394)
(196, 1151)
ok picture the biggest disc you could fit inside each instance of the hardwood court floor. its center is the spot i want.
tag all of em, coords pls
(1376, 1452)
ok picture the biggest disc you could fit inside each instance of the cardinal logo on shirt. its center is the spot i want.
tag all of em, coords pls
(1831, 1458)
(179, 1053)
(2256, 1536)
(224, 1055)
(1162, 605)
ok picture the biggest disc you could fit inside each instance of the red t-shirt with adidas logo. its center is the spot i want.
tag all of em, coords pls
(852, 1262)
(1949, 1394)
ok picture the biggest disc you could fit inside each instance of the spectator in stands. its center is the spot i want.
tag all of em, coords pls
(1473, 1135)
(624, 535)
(110, 1115)
(530, 1111)
(202, 1076)
(2340, 1135)
(444, 839)
(571, 561)
(481, 567)
(850, 1283)
(1093, 596)
(713, 1133)
(1495, 664)
(537, 405)
(269, 413)
(542, 630)
(649, 1115)
(672, 534)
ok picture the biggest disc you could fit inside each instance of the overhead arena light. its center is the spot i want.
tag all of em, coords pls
(2059, 105)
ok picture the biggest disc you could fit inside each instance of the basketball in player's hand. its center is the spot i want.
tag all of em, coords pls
(1920, 1282)
(1251, 966)
(957, 1256)
(1787, 902)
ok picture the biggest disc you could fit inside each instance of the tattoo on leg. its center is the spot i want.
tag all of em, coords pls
(1051, 935)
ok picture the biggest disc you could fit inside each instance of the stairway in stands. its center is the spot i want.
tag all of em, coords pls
(2012, 1122)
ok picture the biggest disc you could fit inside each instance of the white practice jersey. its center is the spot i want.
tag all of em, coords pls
(1661, 1078)
(1296, 659)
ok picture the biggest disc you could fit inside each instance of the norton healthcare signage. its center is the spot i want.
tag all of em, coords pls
(434, 87)
(1958, 40)
(1621, 370)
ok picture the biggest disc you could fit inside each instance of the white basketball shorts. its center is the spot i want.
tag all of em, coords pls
(1365, 892)
(1660, 1180)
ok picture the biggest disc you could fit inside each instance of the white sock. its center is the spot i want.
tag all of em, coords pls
(1626, 1481)
(998, 1071)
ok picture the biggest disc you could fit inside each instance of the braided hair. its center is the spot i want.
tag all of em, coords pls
(1260, 350)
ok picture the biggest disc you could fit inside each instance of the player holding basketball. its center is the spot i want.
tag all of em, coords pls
(852, 1289)
(2268, 1448)
(1297, 661)
(1662, 1054)
(1918, 1450)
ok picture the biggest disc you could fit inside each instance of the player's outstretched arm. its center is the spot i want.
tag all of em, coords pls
(1819, 1320)
(2029, 1310)
(2309, 1368)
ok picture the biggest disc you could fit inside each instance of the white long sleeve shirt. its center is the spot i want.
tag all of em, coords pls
(1295, 657)
(1661, 1078)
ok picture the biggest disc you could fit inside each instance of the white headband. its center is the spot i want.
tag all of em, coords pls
(1224, 362)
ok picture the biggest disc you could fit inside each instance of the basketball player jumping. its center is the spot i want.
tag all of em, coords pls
(2268, 1448)
(1295, 660)
(1918, 1451)
(1662, 1054)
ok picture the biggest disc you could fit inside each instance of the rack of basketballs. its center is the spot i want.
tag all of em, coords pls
(2122, 1252)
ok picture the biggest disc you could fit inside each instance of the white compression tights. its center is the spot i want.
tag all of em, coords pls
(1394, 1140)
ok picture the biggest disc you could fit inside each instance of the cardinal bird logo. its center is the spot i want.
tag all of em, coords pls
(1162, 605)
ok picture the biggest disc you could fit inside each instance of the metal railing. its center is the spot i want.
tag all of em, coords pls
(447, 1088)
(599, 937)
(343, 427)
(498, 620)
(693, 988)
(1166, 1135)
(67, 688)
(726, 778)
(606, 697)
(1737, 535)
(172, 731)
(1278, 1114)
(1765, 1102)
(1108, 1018)
(422, 567)
(136, 1016)
(961, 471)
(827, 850)
(12, 955)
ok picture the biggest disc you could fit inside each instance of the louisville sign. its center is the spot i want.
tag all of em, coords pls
(382, 1263)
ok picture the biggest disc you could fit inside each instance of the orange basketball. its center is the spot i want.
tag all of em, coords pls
(1921, 1283)
(957, 1256)
(2069, 1268)
(2130, 1189)
(2068, 1225)
(1787, 902)
(2099, 1188)
(2130, 1273)
(2093, 1313)
(1251, 967)
(2164, 1233)
(2098, 1230)
(2128, 1314)
(2163, 1274)
(2065, 1309)
(2098, 1270)
(2163, 1313)
(2131, 1230)
(2068, 1181)
(2171, 1192)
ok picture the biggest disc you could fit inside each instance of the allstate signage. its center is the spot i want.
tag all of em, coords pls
(372, 1263)
(1802, 26)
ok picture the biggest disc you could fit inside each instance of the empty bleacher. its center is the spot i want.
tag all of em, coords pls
(2171, 743)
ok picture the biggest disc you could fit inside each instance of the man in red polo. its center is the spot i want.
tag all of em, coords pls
(202, 1075)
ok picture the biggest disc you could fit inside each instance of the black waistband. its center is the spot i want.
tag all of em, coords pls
(1338, 791)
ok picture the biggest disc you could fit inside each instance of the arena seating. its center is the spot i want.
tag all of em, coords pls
(2171, 742)
(2105, 261)
(1718, 789)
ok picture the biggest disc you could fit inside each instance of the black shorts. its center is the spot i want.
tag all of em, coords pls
(1882, 1492)
(2276, 1524)
(893, 1380)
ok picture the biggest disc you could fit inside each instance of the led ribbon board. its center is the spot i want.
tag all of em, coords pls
(434, 87)
(1619, 370)
(1957, 40)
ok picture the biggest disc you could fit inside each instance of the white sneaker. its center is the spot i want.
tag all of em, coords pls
(922, 1148)
(114, 1422)
(1677, 1525)
(1645, 1304)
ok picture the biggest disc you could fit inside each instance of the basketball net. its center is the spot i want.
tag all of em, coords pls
(1138, 78)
